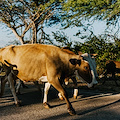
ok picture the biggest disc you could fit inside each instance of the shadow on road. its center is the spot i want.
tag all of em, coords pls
(96, 108)
(31, 96)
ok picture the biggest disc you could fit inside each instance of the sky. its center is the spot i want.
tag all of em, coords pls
(6, 35)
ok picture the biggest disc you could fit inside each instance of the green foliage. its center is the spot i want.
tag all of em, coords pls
(83, 13)
(61, 39)
(99, 9)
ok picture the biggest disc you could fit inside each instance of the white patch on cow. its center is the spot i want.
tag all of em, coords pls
(60, 96)
(75, 92)
(43, 79)
(46, 89)
(85, 55)
(66, 82)
(94, 81)
(92, 63)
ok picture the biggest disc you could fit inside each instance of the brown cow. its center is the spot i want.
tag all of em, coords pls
(35, 60)
(43, 79)
(85, 56)
(112, 67)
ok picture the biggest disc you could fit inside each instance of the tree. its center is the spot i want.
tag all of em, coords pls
(62, 40)
(83, 13)
(22, 16)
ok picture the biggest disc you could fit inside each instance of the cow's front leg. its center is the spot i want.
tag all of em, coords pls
(75, 87)
(55, 82)
(66, 83)
(46, 89)
(12, 87)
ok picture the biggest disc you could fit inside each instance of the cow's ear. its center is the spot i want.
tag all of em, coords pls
(79, 62)
(73, 61)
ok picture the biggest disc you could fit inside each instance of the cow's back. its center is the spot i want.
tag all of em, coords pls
(117, 64)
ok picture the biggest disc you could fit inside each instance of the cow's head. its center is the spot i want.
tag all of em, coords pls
(82, 69)
(92, 64)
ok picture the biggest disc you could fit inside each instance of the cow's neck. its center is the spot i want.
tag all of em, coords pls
(65, 57)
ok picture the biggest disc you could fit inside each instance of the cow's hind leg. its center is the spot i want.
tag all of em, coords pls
(105, 76)
(18, 87)
(12, 87)
(59, 87)
(114, 78)
(46, 89)
(3, 82)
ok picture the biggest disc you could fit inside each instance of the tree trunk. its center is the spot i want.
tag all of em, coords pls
(19, 37)
(34, 37)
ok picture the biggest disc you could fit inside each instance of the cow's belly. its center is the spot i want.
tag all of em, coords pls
(32, 79)
(30, 73)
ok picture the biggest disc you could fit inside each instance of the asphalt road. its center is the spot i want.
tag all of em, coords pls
(90, 105)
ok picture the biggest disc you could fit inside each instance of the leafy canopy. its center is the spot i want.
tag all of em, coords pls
(108, 10)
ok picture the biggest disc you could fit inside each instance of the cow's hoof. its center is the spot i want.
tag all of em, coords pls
(46, 105)
(18, 104)
(71, 111)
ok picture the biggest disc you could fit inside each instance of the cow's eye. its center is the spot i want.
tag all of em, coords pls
(85, 68)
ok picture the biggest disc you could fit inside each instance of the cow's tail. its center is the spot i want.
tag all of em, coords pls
(10, 65)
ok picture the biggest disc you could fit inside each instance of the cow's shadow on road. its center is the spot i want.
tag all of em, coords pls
(97, 108)
(31, 95)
